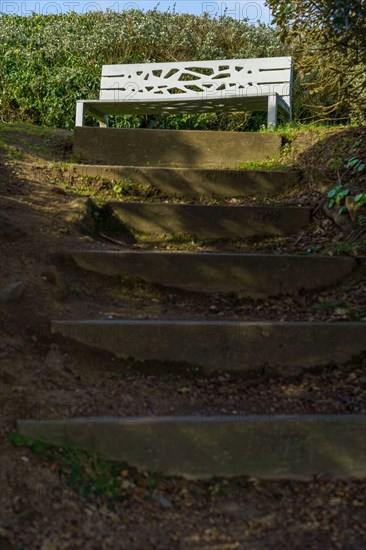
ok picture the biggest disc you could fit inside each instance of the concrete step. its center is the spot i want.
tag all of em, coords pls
(196, 182)
(210, 222)
(176, 148)
(266, 447)
(251, 275)
(224, 346)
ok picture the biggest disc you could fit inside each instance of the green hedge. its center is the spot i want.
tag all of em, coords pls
(48, 62)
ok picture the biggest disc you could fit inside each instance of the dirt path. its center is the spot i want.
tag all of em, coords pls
(44, 377)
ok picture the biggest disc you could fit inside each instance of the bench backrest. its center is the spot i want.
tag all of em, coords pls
(192, 79)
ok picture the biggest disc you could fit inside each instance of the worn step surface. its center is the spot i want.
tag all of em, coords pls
(227, 345)
(176, 148)
(251, 275)
(210, 222)
(266, 447)
(196, 182)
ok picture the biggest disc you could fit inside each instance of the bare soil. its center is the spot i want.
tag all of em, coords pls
(46, 377)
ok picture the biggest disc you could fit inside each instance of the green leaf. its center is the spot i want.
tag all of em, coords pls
(117, 189)
(38, 447)
(360, 199)
(331, 203)
(18, 439)
(353, 161)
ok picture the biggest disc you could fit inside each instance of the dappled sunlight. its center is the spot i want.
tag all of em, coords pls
(215, 222)
(248, 274)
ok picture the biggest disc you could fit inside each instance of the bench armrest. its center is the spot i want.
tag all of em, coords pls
(82, 108)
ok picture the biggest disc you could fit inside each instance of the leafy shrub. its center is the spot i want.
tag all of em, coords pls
(47, 62)
(328, 41)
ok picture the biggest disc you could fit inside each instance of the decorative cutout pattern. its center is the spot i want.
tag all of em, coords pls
(262, 84)
(198, 80)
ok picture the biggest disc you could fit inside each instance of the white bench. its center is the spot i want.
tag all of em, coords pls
(262, 84)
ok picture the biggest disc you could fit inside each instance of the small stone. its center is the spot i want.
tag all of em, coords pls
(213, 308)
(163, 501)
(13, 292)
(184, 389)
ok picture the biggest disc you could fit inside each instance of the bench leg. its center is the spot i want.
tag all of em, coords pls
(80, 113)
(272, 111)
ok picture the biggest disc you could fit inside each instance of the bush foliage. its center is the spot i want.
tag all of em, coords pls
(328, 41)
(48, 62)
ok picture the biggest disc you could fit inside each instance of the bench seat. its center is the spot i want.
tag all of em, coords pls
(262, 84)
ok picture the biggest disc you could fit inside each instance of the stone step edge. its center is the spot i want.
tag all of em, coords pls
(208, 182)
(184, 148)
(251, 275)
(217, 346)
(209, 221)
(201, 206)
(202, 447)
(115, 168)
(301, 257)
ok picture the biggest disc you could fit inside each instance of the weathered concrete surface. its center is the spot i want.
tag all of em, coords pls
(266, 447)
(195, 182)
(252, 275)
(227, 345)
(184, 148)
(210, 222)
